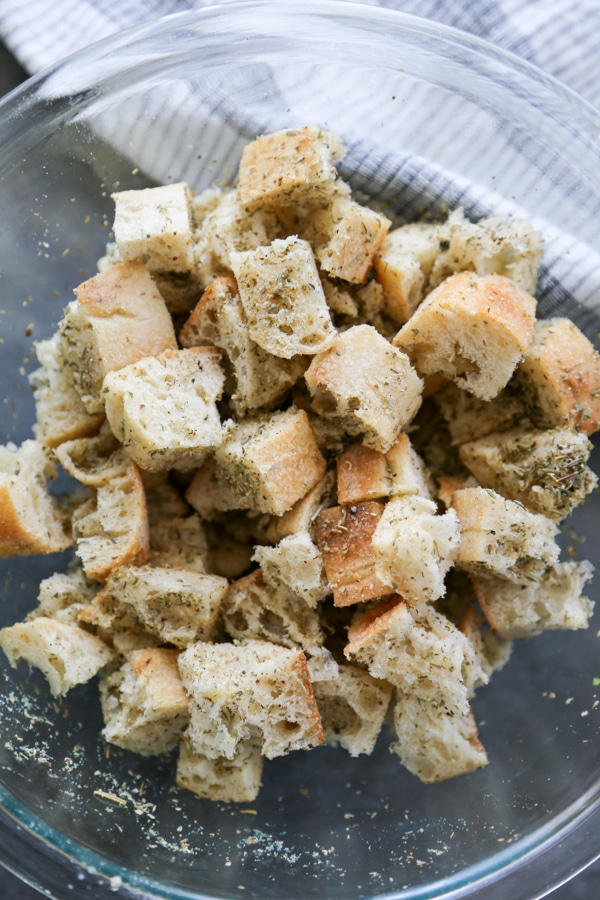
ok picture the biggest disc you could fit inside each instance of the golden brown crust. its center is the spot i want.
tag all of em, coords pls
(362, 474)
(343, 535)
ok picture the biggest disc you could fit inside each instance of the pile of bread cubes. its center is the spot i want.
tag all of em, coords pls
(321, 462)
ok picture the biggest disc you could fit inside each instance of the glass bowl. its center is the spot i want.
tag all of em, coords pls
(432, 119)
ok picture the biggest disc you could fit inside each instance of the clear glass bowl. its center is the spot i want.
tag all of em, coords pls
(431, 117)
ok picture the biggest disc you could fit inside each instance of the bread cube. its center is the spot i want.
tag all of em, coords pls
(210, 494)
(469, 418)
(493, 650)
(368, 385)
(493, 245)
(403, 265)
(303, 513)
(118, 318)
(433, 745)
(235, 780)
(418, 650)
(144, 704)
(179, 543)
(473, 330)
(501, 537)
(65, 654)
(60, 413)
(154, 225)
(271, 460)
(415, 547)
(232, 227)
(111, 527)
(560, 376)
(163, 408)
(525, 610)
(261, 379)
(365, 474)
(254, 608)
(344, 536)
(175, 605)
(64, 595)
(544, 470)
(295, 565)
(289, 167)
(250, 690)
(283, 298)
(354, 234)
(95, 460)
(353, 706)
(31, 520)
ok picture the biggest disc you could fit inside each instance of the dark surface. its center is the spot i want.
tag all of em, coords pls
(585, 887)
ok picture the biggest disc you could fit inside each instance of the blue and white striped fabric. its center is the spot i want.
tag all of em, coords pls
(559, 36)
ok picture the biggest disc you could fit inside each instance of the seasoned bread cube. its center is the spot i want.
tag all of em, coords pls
(418, 650)
(353, 706)
(271, 461)
(354, 234)
(491, 246)
(232, 227)
(303, 513)
(64, 595)
(261, 379)
(93, 461)
(210, 494)
(469, 418)
(432, 744)
(493, 651)
(283, 298)
(367, 385)
(365, 474)
(242, 691)
(118, 318)
(362, 474)
(560, 376)
(235, 780)
(154, 225)
(415, 547)
(448, 484)
(60, 413)
(403, 265)
(65, 654)
(288, 167)
(544, 470)
(295, 565)
(175, 605)
(344, 536)
(111, 527)
(31, 520)
(471, 329)
(179, 543)
(501, 537)
(254, 608)
(163, 408)
(144, 705)
(555, 600)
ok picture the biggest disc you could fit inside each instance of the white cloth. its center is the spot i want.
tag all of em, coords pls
(560, 36)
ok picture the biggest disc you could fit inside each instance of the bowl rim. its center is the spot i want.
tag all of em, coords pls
(497, 872)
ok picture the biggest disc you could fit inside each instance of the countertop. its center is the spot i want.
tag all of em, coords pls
(586, 886)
